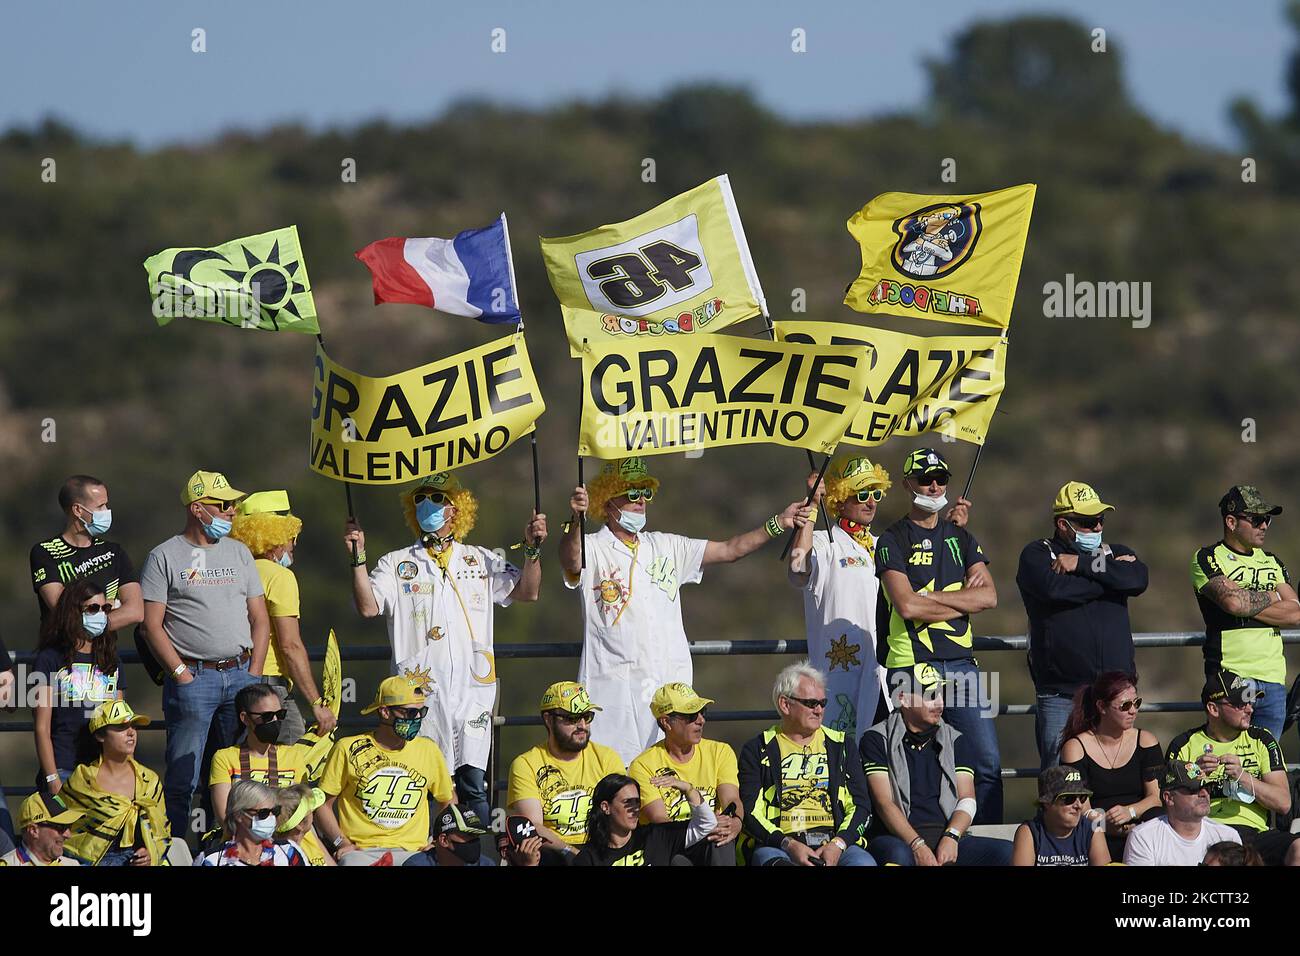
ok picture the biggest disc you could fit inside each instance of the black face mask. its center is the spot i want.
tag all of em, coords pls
(469, 851)
(268, 732)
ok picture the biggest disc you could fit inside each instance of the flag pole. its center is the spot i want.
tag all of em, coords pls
(537, 480)
(807, 501)
(347, 485)
(582, 518)
(979, 449)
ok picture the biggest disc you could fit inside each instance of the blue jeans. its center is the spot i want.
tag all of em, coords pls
(429, 859)
(1270, 713)
(971, 851)
(965, 704)
(853, 856)
(471, 788)
(1049, 722)
(6, 821)
(191, 709)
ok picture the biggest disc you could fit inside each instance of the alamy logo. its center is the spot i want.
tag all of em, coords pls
(76, 909)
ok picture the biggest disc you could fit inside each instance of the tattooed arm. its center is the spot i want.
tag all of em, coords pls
(1269, 607)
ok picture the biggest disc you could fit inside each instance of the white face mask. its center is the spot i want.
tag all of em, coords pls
(631, 521)
(929, 503)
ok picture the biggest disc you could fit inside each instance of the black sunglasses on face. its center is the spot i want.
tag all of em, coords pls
(263, 813)
(933, 477)
(1256, 521)
(1127, 705)
(690, 718)
(96, 608)
(1087, 522)
(407, 713)
(266, 716)
(571, 719)
(811, 704)
(1069, 799)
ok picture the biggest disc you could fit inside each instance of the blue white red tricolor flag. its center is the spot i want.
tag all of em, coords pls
(471, 275)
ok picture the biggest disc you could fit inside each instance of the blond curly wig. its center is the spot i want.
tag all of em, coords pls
(462, 500)
(838, 489)
(263, 531)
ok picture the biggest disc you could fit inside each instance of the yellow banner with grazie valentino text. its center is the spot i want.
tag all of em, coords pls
(438, 417)
(713, 390)
(915, 384)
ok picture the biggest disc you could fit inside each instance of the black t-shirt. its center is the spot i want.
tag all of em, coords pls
(5, 662)
(934, 559)
(104, 562)
(923, 772)
(77, 692)
(651, 844)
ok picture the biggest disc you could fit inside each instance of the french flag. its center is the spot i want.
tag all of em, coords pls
(470, 275)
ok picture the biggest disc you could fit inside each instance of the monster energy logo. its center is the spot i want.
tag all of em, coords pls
(66, 573)
(953, 549)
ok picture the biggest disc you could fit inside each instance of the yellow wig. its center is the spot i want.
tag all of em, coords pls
(614, 479)
(466, 504)
(849, 475)
(263, 531)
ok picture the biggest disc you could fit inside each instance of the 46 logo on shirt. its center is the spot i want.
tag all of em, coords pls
(663, 572)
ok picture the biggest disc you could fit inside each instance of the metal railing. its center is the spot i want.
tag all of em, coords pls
(381, 652)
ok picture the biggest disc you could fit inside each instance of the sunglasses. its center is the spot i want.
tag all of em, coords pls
(690, 718)
(266, 716)
(933, 477)
(870, 494)
(1128, 705)
(407, 713)
(632, 804)
(96, 608)
(637, 494)
(1256, 521)
(263, 813)
(571, 719)
(810, 703)
(437, 497)
(1087, 522)
(1069, 799)
(225, 507)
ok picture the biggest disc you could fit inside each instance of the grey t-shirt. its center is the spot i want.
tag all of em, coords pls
(206, 591)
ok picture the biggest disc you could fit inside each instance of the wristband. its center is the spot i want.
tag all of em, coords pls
(51, 777)
(919, 841)
(532, 552)
(360, 561)
(338, 841)
(773, 527)
(839, 843)
(955, 834)
(176, 671)
(1132, 814)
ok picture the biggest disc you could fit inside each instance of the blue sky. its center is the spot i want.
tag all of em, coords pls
(125, 69)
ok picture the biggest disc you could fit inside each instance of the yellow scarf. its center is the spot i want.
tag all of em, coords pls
(860, 533)
(112, 818)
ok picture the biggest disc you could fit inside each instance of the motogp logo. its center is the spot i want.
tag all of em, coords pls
(935, 240)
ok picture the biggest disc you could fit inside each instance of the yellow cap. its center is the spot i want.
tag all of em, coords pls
(1076, 498)
(209, 484)
(116, 713)
(442, 481)
(46, 808)
(396, 692)
(265, 502)
(677, 698)
(568, 696)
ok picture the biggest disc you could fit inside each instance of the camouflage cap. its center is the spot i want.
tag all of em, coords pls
(1061, 780)
(1246, 500)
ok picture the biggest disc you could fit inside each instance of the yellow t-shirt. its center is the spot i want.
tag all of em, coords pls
(290, 765)
(281, 587)
(312, 849)
(805, 785)
(713, 763)
(563, 786)
(383, 794)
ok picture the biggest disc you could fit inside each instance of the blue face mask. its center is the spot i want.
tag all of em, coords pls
(632, 522)
(99, 523)
(262, 829)
(95, 624)
(284, 560)
(408, 728)
(216, 528)
(1088, 541)
(431, 515)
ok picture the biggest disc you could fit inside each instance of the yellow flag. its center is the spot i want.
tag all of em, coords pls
(444, 415)
(951, 258)
(705, 391)
(915, 384)
(331, 692)
(678, 270)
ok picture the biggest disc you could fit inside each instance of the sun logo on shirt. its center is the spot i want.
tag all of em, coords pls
(843, 654)
(421, 677)
(610, 593)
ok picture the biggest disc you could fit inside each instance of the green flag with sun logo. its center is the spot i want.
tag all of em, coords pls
(258, 282)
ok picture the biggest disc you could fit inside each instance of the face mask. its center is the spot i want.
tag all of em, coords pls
(215, 528)
(431, 515)
(95, 624)
(408, 728)
(262, 829)
(632, 522)
(1233, 790)
(284, 560)
(267, 733)
(1088, 541)
(469, 851)
(929, 502)
(99, 523)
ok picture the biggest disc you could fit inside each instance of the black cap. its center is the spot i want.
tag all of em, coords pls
(1235, 689)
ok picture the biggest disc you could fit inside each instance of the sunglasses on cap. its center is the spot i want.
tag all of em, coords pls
(263, 813)
(810, 703)
(437, 497)
(870, 494)
(96, 608)
(690, 718)
(1256, 521)
(637, 494)
(1086, 522)
(266, 716)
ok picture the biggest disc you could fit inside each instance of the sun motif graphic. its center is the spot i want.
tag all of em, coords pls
(421, 677)
(435, 633)
(611, 593)
(843, 654)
